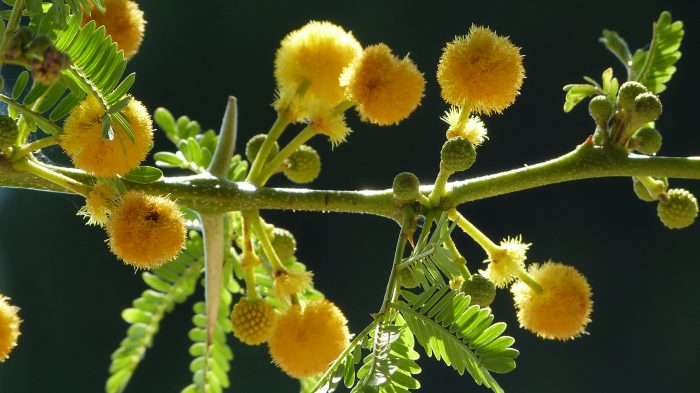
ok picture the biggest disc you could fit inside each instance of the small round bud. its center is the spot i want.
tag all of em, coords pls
(8, 132)
(406, 186)
(304, 165)
(481, 289)
(253, 321)
(253, 147)
(628, 92)
(647, 140)
(600, 109)
(407, 279)
(457, 154)
(284, 243)
(647, 107)
(678, 210)
(641, 191)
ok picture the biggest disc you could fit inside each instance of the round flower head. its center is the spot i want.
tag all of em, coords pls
(506, 262)
(563, 308)
(306, 340)
(9, 328)
(253, 321)
(482, 70)
(316, 53)
(82, 138)
(289, 283)
(472, 129)
(386, 89)
(146, 231)
(99, 204)
(325, 120)
(123, 20)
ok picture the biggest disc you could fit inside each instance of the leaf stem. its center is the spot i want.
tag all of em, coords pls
(274, 164)
(489, 246)
(273, 134)
(391, 287)
(34, 146)
(45, 173)
(265, 242)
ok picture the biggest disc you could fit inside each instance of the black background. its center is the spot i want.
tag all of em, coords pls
(646, 317)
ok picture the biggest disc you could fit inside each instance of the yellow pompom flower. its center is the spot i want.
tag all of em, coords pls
(289, 283)
(325, 120)
(99, 204)
(506, 262)
(82, 138)
(306, 340)
(472, 129)
(253, 321)
(9, 327)
(481, 70)
(385, 89)
(146, 231)
(563, 307)
(316, 53)
(123, 20)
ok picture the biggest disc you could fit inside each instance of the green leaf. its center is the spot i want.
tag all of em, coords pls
(576, 93)
(20, 85)
(171, 284)
(167, 159)
(144, 174)
(461, 335)
(655, 67)
(618, 46)
(165, 120)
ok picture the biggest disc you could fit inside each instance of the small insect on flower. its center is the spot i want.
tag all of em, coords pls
(146, 231)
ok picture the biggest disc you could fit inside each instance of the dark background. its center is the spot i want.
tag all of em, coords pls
(646, 316)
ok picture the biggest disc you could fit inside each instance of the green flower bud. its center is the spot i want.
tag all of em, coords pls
(8, 132)
(678, 210)
(407, 279)
(253, 147)
(600, 109)
(647, 140)
(458, 154)
(284, 243)
(647, 107)
(643, 193)
(304, 165)
(481, 289)
(628, 92)
(406, 186)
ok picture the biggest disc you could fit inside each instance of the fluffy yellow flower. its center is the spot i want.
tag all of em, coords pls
(124, 21)
(472, 129)
(325, 120)
(99, 204)
(306, 340)
(317, 52)
(291, 282)
(253, 321)
(506, 262)
(482, 70)
(9, 327)
(386, 89)
(82, 138)
(563, 308)
(146, 231)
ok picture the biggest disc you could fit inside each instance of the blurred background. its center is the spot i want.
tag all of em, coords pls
(646, 315)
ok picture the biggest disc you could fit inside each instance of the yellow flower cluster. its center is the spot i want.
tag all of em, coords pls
(288, 283)
(506, 262)
(253, 321)
(307, 339)
(9, 327)
(123, 20)
(563, 307)
(99, 204)
(82, 138)
(146, 231)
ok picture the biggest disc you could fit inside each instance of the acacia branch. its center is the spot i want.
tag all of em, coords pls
(210, 195)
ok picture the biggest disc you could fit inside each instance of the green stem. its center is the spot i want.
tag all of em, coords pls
(439, 189)
(489, 246)
(391, 287)
(527, 279)
(211, 195)
(44, 123)
(45, 173)
(246, 258)
(276, 130)
(654, 187)
(11, 27)
(460, 261)
(272, 166)
(261, 233)
(34, 146)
